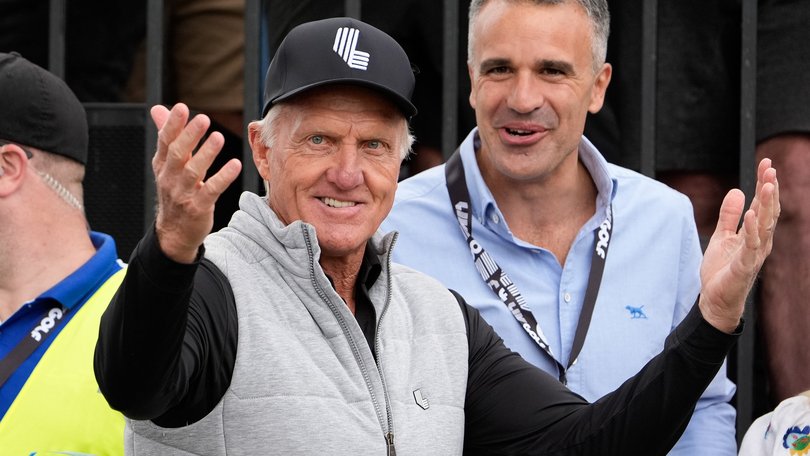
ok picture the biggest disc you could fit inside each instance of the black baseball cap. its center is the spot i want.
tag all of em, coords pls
(339, 50)
(38, 109)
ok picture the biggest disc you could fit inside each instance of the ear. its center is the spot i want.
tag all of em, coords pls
(13, 166)
(599, 88)
(472, 85)
(260, 150)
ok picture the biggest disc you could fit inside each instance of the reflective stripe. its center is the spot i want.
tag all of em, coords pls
(59, 409)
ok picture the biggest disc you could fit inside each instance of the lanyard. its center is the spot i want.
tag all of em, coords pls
(494, 276)
(47, 324)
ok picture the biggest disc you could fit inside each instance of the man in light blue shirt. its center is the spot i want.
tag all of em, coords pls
(530, 223)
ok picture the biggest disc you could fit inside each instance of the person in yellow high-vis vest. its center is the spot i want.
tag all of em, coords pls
(56, 276)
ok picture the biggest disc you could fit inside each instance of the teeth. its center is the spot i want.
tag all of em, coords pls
(512, 131)
(336, 203)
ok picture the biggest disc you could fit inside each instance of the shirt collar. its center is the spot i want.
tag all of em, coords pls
(75, 288)
(599, 170)
(481, 199)
(370, 268)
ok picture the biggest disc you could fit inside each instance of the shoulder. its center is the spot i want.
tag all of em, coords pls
(421, 197)
(427, 184)
(634, 188)
(417, 282)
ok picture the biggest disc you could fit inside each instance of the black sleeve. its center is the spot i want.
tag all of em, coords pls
(167, 341)
(513, 407)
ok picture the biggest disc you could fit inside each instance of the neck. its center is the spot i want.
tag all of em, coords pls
(344, 272)
(35, 255)
(547, 211)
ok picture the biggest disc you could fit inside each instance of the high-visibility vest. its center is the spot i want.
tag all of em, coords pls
(59, 408)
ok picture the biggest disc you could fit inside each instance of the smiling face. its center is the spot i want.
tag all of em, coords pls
(334, 164)
(533, 82)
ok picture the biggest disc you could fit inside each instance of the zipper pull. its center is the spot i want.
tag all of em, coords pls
(389, 439)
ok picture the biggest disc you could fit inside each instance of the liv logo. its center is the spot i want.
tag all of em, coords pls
(346, 47)
(421, 401)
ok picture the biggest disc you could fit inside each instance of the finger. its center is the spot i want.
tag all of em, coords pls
(730, 212)
(766, 222)
(766, 175)
(169, 126)
(160, 114)
(777, 205)
(181, 148)
(752, 242)
(762, 168)
(198, 165)
(219, 182)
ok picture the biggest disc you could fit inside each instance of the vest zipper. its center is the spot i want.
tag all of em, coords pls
(389, 436)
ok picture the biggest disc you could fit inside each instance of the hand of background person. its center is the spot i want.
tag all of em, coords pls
(733, 258)
(185, 212)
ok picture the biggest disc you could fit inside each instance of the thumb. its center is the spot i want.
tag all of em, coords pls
(730, 212)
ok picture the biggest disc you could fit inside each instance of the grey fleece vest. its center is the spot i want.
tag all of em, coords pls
(305, 381)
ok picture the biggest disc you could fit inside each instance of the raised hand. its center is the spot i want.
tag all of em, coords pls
(733, 258)
(185, 213)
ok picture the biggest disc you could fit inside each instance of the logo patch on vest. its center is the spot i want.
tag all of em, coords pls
(421, 401)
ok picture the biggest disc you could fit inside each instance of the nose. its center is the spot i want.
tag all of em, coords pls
(346, 172)
(526, 94)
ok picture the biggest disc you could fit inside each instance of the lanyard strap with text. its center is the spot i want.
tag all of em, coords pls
(494, 276)
(43, 327)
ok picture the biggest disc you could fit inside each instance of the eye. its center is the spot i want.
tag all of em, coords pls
(316, 139)
(498, 70)
(374, 144)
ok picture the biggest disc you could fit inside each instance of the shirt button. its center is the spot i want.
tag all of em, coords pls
(494, 217)
(567, 297)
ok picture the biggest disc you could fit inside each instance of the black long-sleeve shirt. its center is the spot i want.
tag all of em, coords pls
(167, 348)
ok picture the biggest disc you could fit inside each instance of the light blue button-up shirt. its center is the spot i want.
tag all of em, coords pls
(650, 282)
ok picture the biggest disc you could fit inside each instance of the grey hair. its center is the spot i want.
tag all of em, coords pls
(597, 11)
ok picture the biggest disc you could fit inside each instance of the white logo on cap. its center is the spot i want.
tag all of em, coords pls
(346, 47)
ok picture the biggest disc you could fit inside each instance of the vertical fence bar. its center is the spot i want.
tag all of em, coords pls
(56, 37)
(154, 95)
(748, 93)
(649, 59)
(352, 8)
(252, 73)
(450, 41)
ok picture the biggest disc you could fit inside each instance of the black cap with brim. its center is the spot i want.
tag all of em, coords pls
(339, 51)
(38, 109)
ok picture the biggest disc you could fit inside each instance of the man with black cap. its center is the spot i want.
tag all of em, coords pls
(291, 331)
(56, 277)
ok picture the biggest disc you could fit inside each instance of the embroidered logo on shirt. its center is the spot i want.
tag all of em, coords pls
(421, 401)
(346, 47)
(636, 312)
(797, 440)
